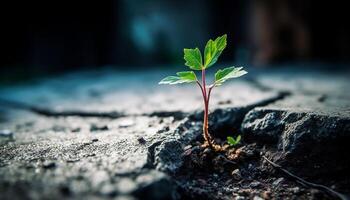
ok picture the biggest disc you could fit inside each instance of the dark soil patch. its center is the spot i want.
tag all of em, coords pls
(242, 173)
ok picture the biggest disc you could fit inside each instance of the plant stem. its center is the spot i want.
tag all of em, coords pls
(206, 134)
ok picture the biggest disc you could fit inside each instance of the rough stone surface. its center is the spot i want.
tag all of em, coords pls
(89, 136)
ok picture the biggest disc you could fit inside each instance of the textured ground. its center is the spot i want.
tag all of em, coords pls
(107, 134)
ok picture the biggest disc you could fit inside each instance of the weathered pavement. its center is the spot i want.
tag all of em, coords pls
(108, 134)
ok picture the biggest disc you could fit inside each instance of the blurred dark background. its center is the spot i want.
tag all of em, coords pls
(50, 37)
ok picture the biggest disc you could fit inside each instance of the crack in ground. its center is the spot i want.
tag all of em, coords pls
(230, 117)
(78, 113)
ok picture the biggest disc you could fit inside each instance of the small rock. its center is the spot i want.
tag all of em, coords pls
(236, 174)
(227, 190)
(295, 189)
(6, 133)
(141, 140)
(255, 184)
(94, 140)
(49, 165)
(257, 198)
(277, 182)
(187, 147)
(250, 166)
(187, 152)
(240, 198)
(235, 189)
(207, 151)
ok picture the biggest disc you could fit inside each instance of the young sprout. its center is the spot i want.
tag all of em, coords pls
(194, 61)
(233, 142)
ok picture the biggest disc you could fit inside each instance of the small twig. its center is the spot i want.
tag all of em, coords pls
(307, 183)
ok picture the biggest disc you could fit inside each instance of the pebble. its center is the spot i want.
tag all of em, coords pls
(257, 198)
(236, 174)
(239, 198)
(49, 165)
(295, 189)
(141, 140)
(255, 184)
(187, 147)
(207, 151)
(277, 182)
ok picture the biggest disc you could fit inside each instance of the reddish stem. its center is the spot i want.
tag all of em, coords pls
(206, 111)
(201, 87)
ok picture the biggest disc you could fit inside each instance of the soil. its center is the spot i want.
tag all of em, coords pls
(241, 173)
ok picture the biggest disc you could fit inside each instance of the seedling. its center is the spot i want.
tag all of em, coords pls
(233, 142)
(194, 61)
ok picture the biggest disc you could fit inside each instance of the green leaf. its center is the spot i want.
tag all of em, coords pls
(182, 77)
(238, 139)
(233, 142)
(223, 75)
(213, 50)
(193, 58)
(187, 75)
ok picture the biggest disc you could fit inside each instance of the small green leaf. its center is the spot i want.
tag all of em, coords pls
(182, 77)
(238, 139)
(213, 50)
(223, 75)
(233, 142)
(193, 58)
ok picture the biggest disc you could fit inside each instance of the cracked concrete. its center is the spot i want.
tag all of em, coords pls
(88, 136)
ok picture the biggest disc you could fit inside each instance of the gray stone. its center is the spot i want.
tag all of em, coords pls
(236, 174)
(255, 184)
(300, 124)
(277, 182)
